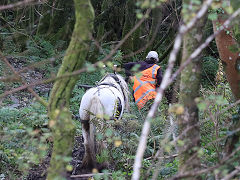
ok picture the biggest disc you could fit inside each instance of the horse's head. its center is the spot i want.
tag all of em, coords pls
(120, 83)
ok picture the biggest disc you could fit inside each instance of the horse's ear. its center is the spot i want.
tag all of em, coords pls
(114, 68)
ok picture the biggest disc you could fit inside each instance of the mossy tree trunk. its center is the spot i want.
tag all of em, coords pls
(58, 110)
(57, 21)
(130, 19)
(225, 42)
(100, 30)
(189, 91)
(155, 26)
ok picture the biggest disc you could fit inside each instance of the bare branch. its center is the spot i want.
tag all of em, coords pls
(204, 45)
(20, 79)
(232, 174)
(89, 175)
(199, 172)
(146, 127)
(21, 3)
(77, 72)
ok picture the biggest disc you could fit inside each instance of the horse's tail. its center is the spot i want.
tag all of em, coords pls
(96, 121)
(96, 108)
(96, 116)
(95, 111)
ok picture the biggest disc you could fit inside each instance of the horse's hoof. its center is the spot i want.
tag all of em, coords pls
(103, 166)
(88, 165)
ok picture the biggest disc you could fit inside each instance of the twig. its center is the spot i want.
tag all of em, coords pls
(146, 127)
(163, 157)
(89, 175)
(43, 102)
(77, 72)
(204, 45)
(151, 40)
(167, 81)
(21, 3)
(232, 174)
(127, 36)
(85, 86)
(198, 172)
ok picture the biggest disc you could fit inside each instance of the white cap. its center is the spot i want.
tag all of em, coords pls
(153, 54)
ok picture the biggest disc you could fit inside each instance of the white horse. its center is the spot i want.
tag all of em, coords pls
(108, 99)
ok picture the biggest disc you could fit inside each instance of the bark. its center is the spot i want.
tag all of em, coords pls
(60, 117)
(230, 60)
(127, 47)
(189, 90)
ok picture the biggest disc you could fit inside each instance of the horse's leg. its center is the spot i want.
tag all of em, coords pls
(89, 159)
(92, 137)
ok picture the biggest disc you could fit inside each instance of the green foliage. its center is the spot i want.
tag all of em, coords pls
(117, 57)
(209, 70)
(235, 4)
(7, 42)
(144, 4)
(214, 129)
(39, 49)
(23, 139)
(23, 134)
(236, 34)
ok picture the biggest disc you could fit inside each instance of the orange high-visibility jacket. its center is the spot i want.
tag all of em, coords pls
(145, 86)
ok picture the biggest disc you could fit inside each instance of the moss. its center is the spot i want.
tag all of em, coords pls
(59, 113)
(189, 90)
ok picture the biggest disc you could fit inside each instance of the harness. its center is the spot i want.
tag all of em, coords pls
(118, 108)
(114, 76)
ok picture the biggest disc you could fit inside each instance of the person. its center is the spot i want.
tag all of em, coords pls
(147, 80)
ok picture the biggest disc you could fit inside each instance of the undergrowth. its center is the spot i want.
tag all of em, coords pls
(25, 136)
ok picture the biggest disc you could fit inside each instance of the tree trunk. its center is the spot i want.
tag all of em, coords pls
(60, 117)
(189, 90)
(231, 62)
(127, 47)
(57, 22)
(99, 30)
(155, 27)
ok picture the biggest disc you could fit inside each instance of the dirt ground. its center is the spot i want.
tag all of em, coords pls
(24, 98)
(39, 172)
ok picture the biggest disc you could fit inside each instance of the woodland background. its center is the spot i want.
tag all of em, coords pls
(50, 48)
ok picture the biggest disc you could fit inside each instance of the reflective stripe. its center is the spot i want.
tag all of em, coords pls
(142, 83)
(145, 85)
(152, 82)
(139, 99)
(153, 70)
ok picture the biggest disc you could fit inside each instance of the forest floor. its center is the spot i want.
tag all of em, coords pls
(22, 99)
(28, 75)
(39, 172)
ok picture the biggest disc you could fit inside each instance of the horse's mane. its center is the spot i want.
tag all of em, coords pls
(123, 87)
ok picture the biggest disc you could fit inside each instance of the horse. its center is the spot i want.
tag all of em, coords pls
(107, 100)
